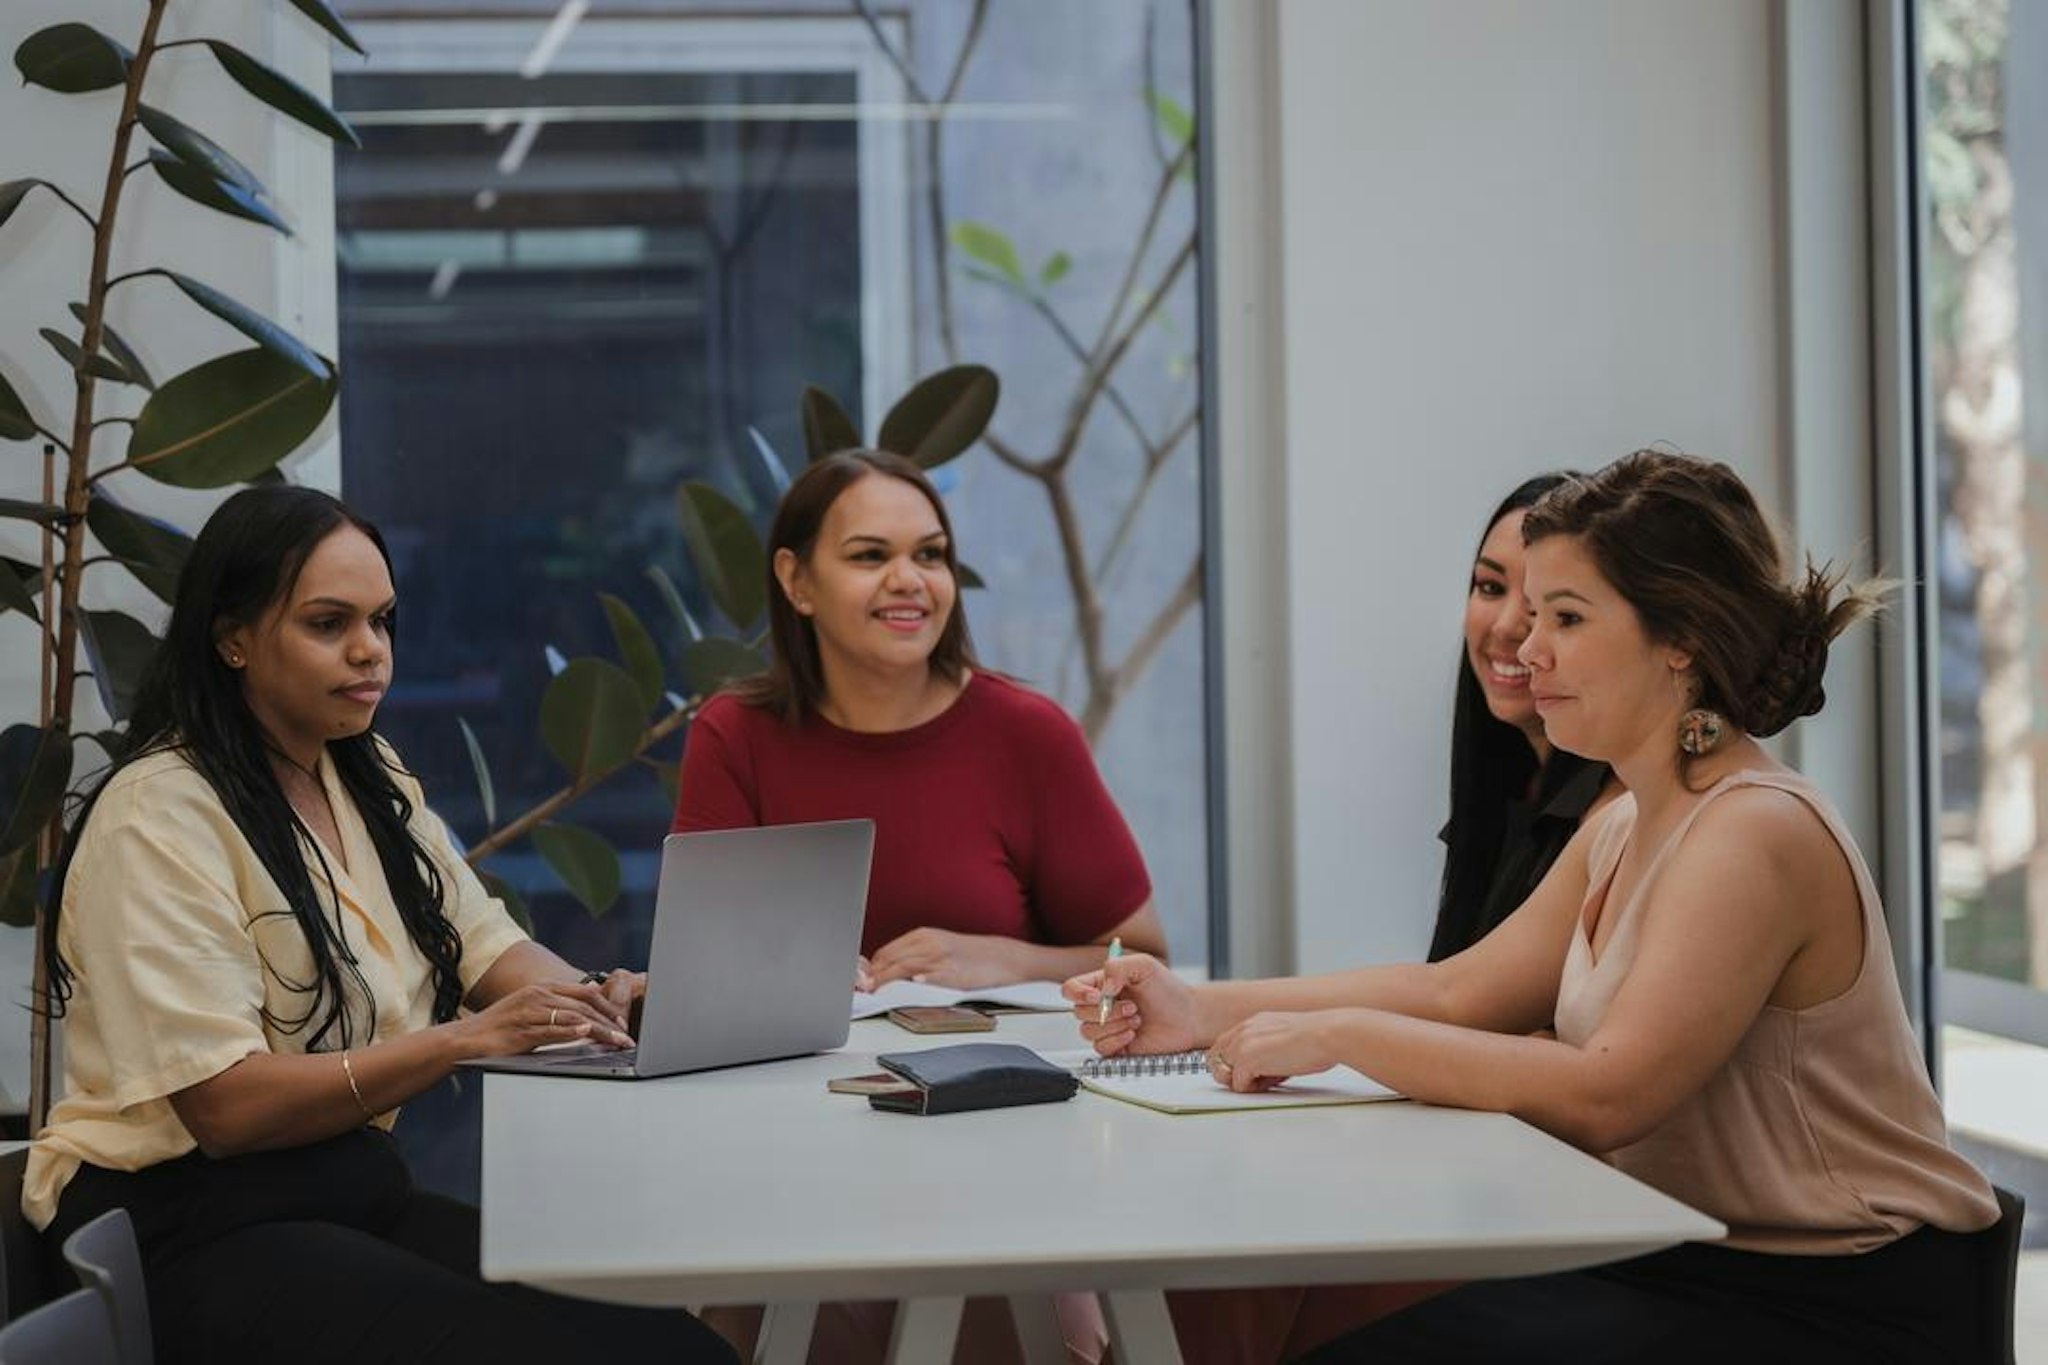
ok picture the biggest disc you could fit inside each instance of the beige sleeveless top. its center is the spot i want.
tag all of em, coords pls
(1821, 1135)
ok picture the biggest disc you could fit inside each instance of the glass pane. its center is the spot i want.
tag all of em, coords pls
(1986, 312)
(582, 262)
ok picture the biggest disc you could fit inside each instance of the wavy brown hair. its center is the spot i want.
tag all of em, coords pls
(1682, 539)
(794, 684)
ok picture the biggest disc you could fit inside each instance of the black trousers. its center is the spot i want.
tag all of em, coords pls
(327, 1253)
(1917, 1299)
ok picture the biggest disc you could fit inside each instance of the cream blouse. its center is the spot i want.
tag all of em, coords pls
(186, 960)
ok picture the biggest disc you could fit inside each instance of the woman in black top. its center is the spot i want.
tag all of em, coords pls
(1515, 801)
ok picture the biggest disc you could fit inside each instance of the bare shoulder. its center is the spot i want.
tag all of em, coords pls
(1761, 821)
(1770, 849)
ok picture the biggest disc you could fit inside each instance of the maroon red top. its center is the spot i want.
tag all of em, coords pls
(989, 819)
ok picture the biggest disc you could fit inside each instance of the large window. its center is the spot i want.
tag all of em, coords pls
(590, 253)
(1984, 159)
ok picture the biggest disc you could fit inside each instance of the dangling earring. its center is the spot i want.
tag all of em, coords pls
(1700, 730)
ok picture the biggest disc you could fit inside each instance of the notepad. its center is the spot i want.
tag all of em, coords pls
(1180, 1083)
(1025, 995)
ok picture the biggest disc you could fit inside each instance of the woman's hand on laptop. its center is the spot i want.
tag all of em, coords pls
(623, 991)
(542, 1014)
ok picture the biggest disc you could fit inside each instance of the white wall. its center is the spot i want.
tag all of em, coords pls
(1512, 237)
(46, 252)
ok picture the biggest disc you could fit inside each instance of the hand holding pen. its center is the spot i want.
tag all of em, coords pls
(1116, 950)
(1132, 1003)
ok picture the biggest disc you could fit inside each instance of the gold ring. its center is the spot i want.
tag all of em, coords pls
(1219, 1064)
(551, 1017)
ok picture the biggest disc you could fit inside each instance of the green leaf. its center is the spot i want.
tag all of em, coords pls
(106, 367)
(282, 93)
(587, 865)
(989, 246)
(967, 577)
(942, 415)
(197, 150)
(250, 324)
(1055, 269)
(515, 904)
(35, 768)
(18, 888)
(636, 650)
(12, 193)
(228, 420)
(16, 594)
(42, 513)
(591, 718)
(319, 13)
(222, 196)
(485, 788)
(711, 663)
(666, 586)
(725, 550)
(827, 428)
(1173, 118)
(987, 276)
(154, 551)
(72, 59)
(120, 648)
(15, 422)
(117, 346)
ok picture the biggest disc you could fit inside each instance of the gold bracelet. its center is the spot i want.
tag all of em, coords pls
(348, 1070)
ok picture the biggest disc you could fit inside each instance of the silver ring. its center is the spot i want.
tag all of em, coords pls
(551, 1017)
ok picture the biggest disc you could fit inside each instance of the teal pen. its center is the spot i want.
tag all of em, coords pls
(1116, 950)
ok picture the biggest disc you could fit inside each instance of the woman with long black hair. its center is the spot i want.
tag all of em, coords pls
(1516, 800)
(261, 944)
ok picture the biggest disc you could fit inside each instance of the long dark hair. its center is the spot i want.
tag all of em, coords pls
(794, 684)
(245, 561)
(1683, 541)
(1492, 764)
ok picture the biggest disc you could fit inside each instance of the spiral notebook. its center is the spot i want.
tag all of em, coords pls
(1180, 1083)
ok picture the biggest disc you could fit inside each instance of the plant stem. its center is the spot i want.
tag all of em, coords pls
(77, 490)
(506, 835)
(1155, 461)
(74, 205)
(1102, 699)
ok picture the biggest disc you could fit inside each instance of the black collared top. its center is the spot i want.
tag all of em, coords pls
(1534, 832)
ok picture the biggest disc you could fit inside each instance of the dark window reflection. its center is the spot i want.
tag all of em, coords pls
(560, 298)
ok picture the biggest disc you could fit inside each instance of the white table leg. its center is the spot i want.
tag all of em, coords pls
(925, 1331)
(1140, 1328)
(785, 1337)
(1038, 1329)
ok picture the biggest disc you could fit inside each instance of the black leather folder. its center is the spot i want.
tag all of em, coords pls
(952, 1080)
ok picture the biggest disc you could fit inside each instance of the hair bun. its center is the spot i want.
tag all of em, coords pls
(1791, 685)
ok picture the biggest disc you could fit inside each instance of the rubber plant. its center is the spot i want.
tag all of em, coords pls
(227, 420)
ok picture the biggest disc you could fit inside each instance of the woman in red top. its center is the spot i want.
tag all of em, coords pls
(999, 854)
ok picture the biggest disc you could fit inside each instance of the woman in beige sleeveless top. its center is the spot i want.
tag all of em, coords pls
(1710, 951)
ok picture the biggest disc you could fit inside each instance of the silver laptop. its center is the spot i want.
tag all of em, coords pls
(755, 936)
